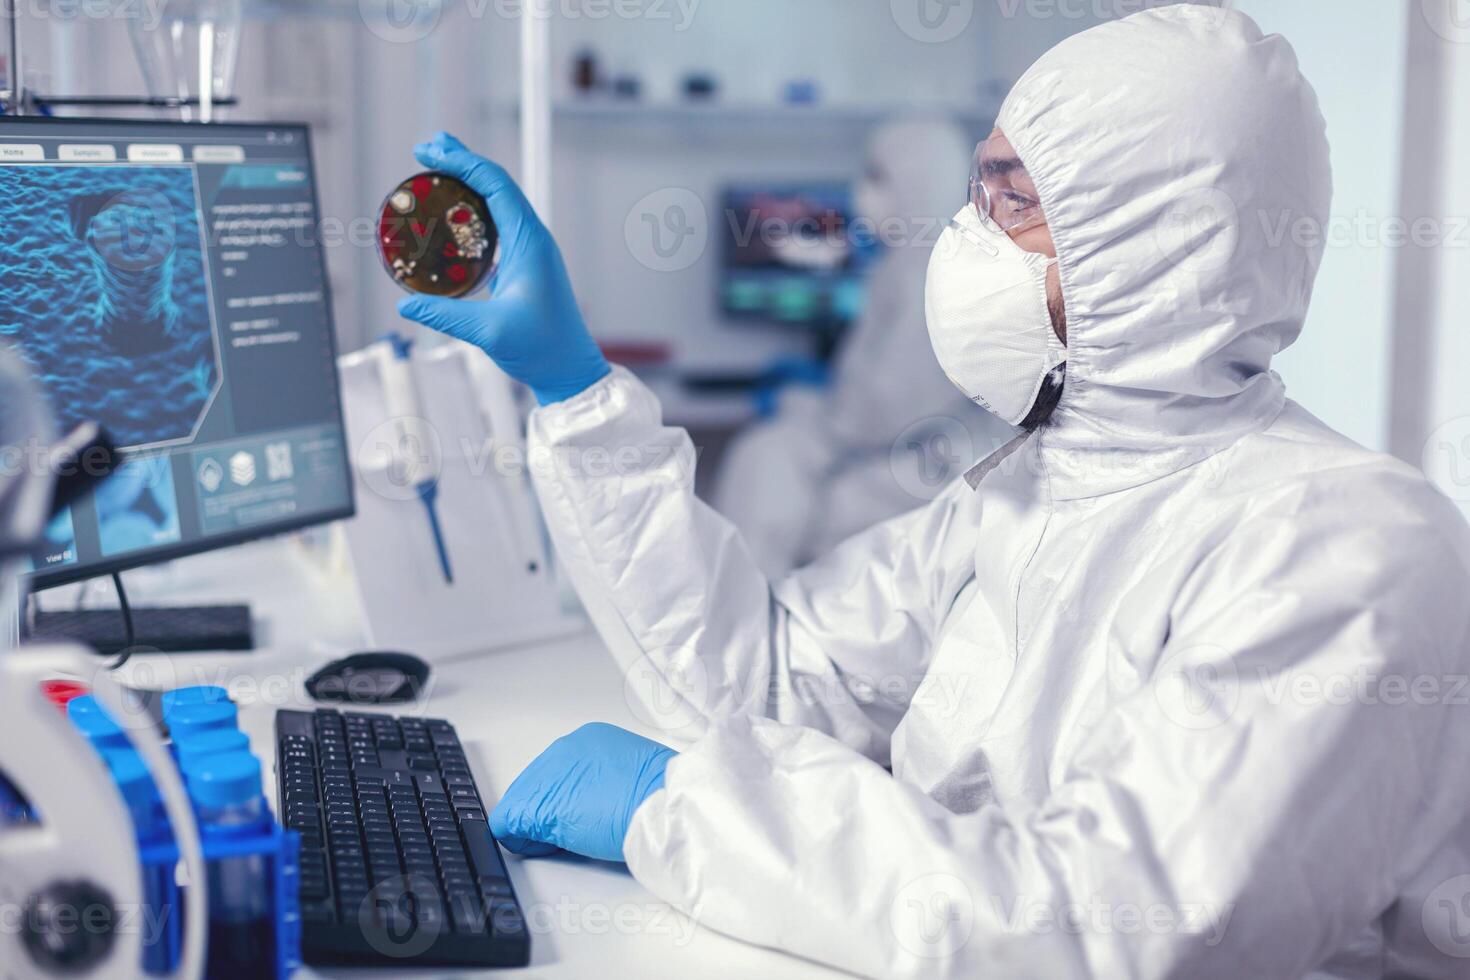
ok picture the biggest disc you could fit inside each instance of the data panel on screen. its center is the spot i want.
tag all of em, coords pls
(166, 280)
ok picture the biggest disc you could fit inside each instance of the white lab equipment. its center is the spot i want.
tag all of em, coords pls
(80, 852)
(445, 416)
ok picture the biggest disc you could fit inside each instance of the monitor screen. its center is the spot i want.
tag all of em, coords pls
(791, 255)
(166, 280)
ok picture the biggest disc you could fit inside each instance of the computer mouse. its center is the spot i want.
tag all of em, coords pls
(370, 678)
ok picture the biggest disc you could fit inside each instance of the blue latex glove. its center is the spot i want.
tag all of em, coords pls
(580, 794)
(530, 325)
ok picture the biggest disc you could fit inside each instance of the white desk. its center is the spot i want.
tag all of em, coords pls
(587, 918)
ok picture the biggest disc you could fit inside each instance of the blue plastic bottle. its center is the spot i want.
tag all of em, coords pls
(218, 741)
(226, 792)
(95, 724)
(160, 923)
(201, 694)
(188, 720)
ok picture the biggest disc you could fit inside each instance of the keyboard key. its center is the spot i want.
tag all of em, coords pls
(481, 849)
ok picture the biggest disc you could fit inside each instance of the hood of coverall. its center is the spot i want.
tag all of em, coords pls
(1182, 162)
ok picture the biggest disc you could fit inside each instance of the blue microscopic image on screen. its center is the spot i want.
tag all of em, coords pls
(137, 507)
(105, 295)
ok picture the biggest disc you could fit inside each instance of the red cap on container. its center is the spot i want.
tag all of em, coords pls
(60, 693)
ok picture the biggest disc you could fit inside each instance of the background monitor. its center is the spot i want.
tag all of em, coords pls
(166, 280)
(790, 254)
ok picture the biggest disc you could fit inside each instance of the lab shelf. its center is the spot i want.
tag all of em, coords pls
(599, 110)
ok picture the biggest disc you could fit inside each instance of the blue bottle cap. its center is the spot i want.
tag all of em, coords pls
(216, 741)
(132, 779)
(201, 694)
(230, 779)
(94, 723)
(188, 720)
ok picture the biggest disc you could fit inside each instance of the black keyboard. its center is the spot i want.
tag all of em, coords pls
(397, 862)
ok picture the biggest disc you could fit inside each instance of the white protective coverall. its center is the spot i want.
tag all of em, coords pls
(1176, 692)
(891, 432)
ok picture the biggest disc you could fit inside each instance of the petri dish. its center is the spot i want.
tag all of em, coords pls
(435, 236)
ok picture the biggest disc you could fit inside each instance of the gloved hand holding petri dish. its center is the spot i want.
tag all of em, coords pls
(436, 236)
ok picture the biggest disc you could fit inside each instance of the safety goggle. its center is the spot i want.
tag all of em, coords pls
(1002, 190)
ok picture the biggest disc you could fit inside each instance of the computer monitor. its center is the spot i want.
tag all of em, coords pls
(167, 280)
(791, 254)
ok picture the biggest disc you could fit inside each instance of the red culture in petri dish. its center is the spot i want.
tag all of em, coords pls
(435, 236)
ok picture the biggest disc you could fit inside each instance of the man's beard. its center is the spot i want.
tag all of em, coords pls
(1047, 398)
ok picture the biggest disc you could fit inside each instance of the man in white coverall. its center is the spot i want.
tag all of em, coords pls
(886, 435)
(1171, 691)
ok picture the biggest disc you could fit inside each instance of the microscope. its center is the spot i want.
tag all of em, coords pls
(71, 879)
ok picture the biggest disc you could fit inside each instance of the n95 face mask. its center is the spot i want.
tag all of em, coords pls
(985, 302)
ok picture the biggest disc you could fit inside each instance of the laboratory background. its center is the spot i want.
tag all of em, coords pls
(660, 111)
(354, 611)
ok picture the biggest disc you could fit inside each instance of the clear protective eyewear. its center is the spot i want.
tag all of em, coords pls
(1002, 190)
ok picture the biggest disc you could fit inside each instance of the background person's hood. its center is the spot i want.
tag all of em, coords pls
(924, 161)
(1182, 162)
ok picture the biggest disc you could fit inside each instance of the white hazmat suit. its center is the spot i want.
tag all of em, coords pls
(891, 432)
(1176, 692)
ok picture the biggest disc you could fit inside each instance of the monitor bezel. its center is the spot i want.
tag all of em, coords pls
(42, 579)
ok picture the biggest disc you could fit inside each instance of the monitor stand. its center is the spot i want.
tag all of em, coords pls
(165, 629)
